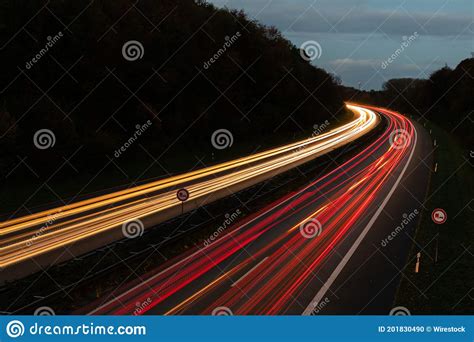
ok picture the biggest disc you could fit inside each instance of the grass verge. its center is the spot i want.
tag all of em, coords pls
(445, 282)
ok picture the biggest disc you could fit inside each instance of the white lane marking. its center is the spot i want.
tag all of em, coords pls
(436, 167)
(246, 274)
(192, 255)
(356, 244)
(202, 249)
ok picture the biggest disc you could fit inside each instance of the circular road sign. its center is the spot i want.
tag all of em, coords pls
(439, 216)
(182, 195)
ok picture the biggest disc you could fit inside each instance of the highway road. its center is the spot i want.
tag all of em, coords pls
(323, 249)
(41, 239)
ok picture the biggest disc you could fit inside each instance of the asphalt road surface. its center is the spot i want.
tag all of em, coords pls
(337, 246)
(52, 236)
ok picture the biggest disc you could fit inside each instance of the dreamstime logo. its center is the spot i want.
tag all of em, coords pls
(44, 139)
(405, 44)
(133, 229)
(229, 219)
(140, 129)
(311, 50)
(50, 221)
(133, 50)
(311, 228)
(15, 329)
(229, 41)
(319, 306)
(318, 129)
(140, 307)
(400, 311)
(44, 311)
(51, 41)
(399, 139)
(222, 311)
(222, 139)
(406, 219)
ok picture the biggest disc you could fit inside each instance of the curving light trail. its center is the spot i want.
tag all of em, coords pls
(263, 265)
(45, 232)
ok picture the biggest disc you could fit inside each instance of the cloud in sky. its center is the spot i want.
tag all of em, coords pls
(361, 32)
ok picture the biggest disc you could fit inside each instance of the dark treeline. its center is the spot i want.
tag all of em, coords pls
(92, 98)
(446, 98)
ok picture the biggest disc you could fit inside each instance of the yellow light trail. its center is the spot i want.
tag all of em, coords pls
(33, 235)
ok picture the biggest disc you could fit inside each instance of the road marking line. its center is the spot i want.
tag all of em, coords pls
(250, 271)
(200, 250)
(436, 167)
(356, 244)
(289, 199)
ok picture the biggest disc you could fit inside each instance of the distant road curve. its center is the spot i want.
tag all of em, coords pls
(310, 252)
(31, 242)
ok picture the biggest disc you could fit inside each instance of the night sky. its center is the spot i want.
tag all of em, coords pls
(357, 36)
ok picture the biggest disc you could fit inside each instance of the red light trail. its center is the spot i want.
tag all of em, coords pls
(271, 280)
